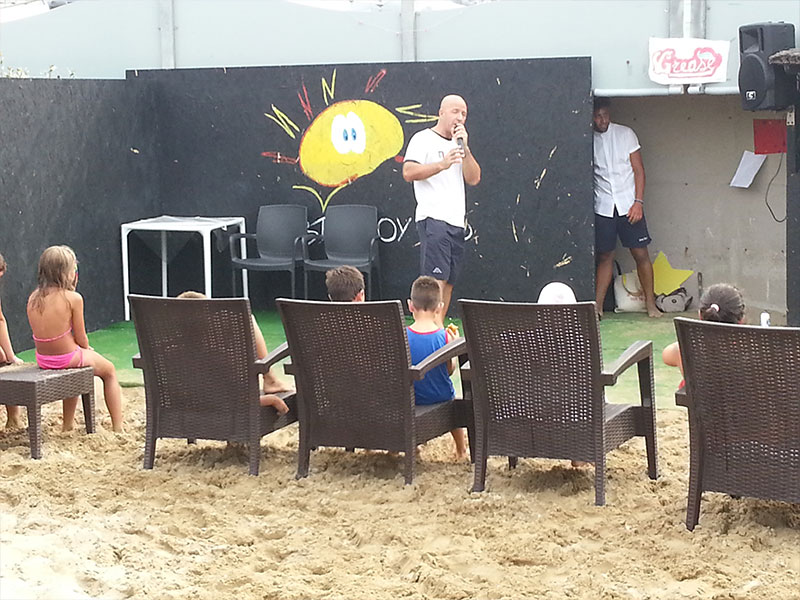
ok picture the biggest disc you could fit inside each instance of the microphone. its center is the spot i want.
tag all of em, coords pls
(460, 142)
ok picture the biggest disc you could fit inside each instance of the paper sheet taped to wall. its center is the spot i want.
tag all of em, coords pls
(748, 167)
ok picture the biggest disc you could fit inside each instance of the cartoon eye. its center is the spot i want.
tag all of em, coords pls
(341, 135)
(358, 135)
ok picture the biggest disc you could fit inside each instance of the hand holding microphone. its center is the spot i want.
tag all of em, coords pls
(460, 135)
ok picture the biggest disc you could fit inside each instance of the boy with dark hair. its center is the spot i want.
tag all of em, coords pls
(425, 336)
(345, 284)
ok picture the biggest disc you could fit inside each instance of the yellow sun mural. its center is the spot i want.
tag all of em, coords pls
(347, 140)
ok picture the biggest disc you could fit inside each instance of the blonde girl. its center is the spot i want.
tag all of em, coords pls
(55, 313)
(7, 356)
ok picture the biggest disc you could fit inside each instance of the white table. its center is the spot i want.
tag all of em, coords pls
(165, 223)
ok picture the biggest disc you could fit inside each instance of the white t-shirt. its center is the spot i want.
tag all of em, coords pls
(613, 174)
(440, 196)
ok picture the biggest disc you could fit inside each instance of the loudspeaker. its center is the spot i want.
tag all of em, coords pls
(763, 86)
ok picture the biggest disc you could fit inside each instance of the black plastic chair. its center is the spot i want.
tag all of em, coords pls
(351, 238)
(279, 239)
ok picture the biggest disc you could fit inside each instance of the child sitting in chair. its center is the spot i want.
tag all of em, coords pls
(272, 385)
(722, 303)
(425, 336)
(345, 284)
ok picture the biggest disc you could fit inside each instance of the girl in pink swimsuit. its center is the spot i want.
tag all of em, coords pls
(55, 313)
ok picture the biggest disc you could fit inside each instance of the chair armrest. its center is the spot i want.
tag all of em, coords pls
(137, 361)
(237, 236)
(373, 249)
(682, 398)
(454, 348)
(279, 353)
(307, 239)
(636, 352)
(300, 244)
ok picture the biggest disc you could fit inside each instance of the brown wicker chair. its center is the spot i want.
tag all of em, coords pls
(201, 374)
(354, 378)
(537, 381)
(743, 398)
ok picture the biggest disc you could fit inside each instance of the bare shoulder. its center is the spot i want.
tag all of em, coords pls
(74, 298)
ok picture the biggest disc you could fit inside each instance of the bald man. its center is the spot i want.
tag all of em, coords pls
(438, 166)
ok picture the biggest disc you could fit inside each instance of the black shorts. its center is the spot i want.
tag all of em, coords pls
(441, 249)
(606, 230)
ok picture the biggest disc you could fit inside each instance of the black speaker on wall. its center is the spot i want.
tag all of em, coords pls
(763, 86)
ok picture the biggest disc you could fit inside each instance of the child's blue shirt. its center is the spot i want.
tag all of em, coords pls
(436, 386)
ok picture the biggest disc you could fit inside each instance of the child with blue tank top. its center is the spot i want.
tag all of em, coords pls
(426, 336)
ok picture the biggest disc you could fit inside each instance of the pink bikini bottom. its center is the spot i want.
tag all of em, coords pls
(60, 361)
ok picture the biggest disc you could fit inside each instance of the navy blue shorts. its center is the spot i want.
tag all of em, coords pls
(606, 230)
(441, 249)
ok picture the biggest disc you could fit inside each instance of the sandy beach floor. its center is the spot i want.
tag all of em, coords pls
(87, 521)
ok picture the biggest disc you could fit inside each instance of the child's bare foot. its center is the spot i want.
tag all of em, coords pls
(276, 387)
(274, 401)
(67, 427)
(117, 429)
(461, 455)
(652, 311)
(13, 423)
(580, 464)
(273, 385)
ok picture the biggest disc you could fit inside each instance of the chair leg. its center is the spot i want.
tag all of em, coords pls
(292, 279)
(600, 479)
(369, 286)
(409, 461)
(648, 414)
(652, 447)
(512, 462)
(305, 284)
(35, 429)
(88, 411)
(255, 456)
(695, 476)
(303, 454)
(149, 445)
(481, 448)
(233, 283)
(191, 441)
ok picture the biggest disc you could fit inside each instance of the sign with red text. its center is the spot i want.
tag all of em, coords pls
(688, 60)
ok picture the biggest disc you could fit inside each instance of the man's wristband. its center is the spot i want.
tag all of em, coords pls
(639, 200)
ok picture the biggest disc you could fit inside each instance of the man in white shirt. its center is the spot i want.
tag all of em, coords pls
(439, 161)
(619, 204)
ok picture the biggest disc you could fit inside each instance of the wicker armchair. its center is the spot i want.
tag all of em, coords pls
(537, 381)
(201, 374)
(743, 398)
(354, 379)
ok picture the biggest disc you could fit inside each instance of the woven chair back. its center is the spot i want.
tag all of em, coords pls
(351, 365)
(536, 374)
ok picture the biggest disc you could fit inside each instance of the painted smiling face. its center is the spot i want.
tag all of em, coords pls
(347, 140)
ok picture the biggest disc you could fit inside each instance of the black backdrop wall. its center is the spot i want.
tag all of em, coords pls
(81, 157)
(77, 160)
(529, 125)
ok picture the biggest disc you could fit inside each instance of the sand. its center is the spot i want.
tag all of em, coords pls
(87, 521)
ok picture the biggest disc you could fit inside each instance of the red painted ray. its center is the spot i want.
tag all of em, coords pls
(306, 104)
(374, 80)
(277, 157)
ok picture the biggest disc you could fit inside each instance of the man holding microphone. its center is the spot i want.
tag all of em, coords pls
(438, 161)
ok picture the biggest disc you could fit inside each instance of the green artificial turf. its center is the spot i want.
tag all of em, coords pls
(618, 331)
